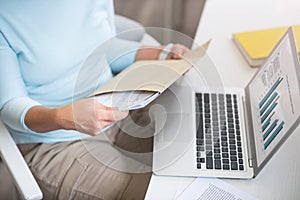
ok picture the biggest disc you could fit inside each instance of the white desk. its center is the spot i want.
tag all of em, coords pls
(280, 179)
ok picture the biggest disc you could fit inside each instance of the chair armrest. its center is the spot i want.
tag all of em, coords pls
(17, 166)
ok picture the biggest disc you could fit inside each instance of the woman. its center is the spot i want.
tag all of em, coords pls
(42, 48)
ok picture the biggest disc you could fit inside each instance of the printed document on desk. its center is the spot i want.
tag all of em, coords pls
(212, 189)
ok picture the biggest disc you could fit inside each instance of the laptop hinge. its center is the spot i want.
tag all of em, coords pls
(250, 162)
(250, 159)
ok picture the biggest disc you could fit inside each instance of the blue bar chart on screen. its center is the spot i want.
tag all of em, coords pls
(270, 125)
(274, 99)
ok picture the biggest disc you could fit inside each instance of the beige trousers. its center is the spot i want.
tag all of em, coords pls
(113, 165)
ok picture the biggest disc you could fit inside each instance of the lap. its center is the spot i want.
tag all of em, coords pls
(112, 165)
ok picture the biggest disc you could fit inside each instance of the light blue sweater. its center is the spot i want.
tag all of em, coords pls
(46, 58)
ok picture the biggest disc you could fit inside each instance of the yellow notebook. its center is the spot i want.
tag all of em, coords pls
(257, 45)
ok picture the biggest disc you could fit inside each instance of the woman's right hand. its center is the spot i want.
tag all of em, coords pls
(88, 116)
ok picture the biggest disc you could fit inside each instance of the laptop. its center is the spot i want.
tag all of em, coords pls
(231, 133)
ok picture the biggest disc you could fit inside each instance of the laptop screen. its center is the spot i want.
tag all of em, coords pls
(275, 98)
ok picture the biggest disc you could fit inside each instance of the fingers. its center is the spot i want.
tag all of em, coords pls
(104, 124)
(109, 114)
(91, 117)
(177, 52)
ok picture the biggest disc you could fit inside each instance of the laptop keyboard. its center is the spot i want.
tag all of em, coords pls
(218, 137)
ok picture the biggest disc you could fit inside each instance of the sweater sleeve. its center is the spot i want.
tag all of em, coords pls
(14, 100)
(121, 53)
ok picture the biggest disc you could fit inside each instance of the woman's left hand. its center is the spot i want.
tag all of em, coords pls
(177, 52)
(152, 53)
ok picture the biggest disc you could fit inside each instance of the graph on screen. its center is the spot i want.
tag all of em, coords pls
(271, 124)
(275, 101)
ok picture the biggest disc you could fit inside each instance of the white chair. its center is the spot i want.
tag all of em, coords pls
(9, 152)
(12, 158)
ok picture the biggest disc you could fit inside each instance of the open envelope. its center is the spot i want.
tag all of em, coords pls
(154, 75)
(141, 83)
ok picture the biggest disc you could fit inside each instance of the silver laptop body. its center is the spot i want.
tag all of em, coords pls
(243, 141)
